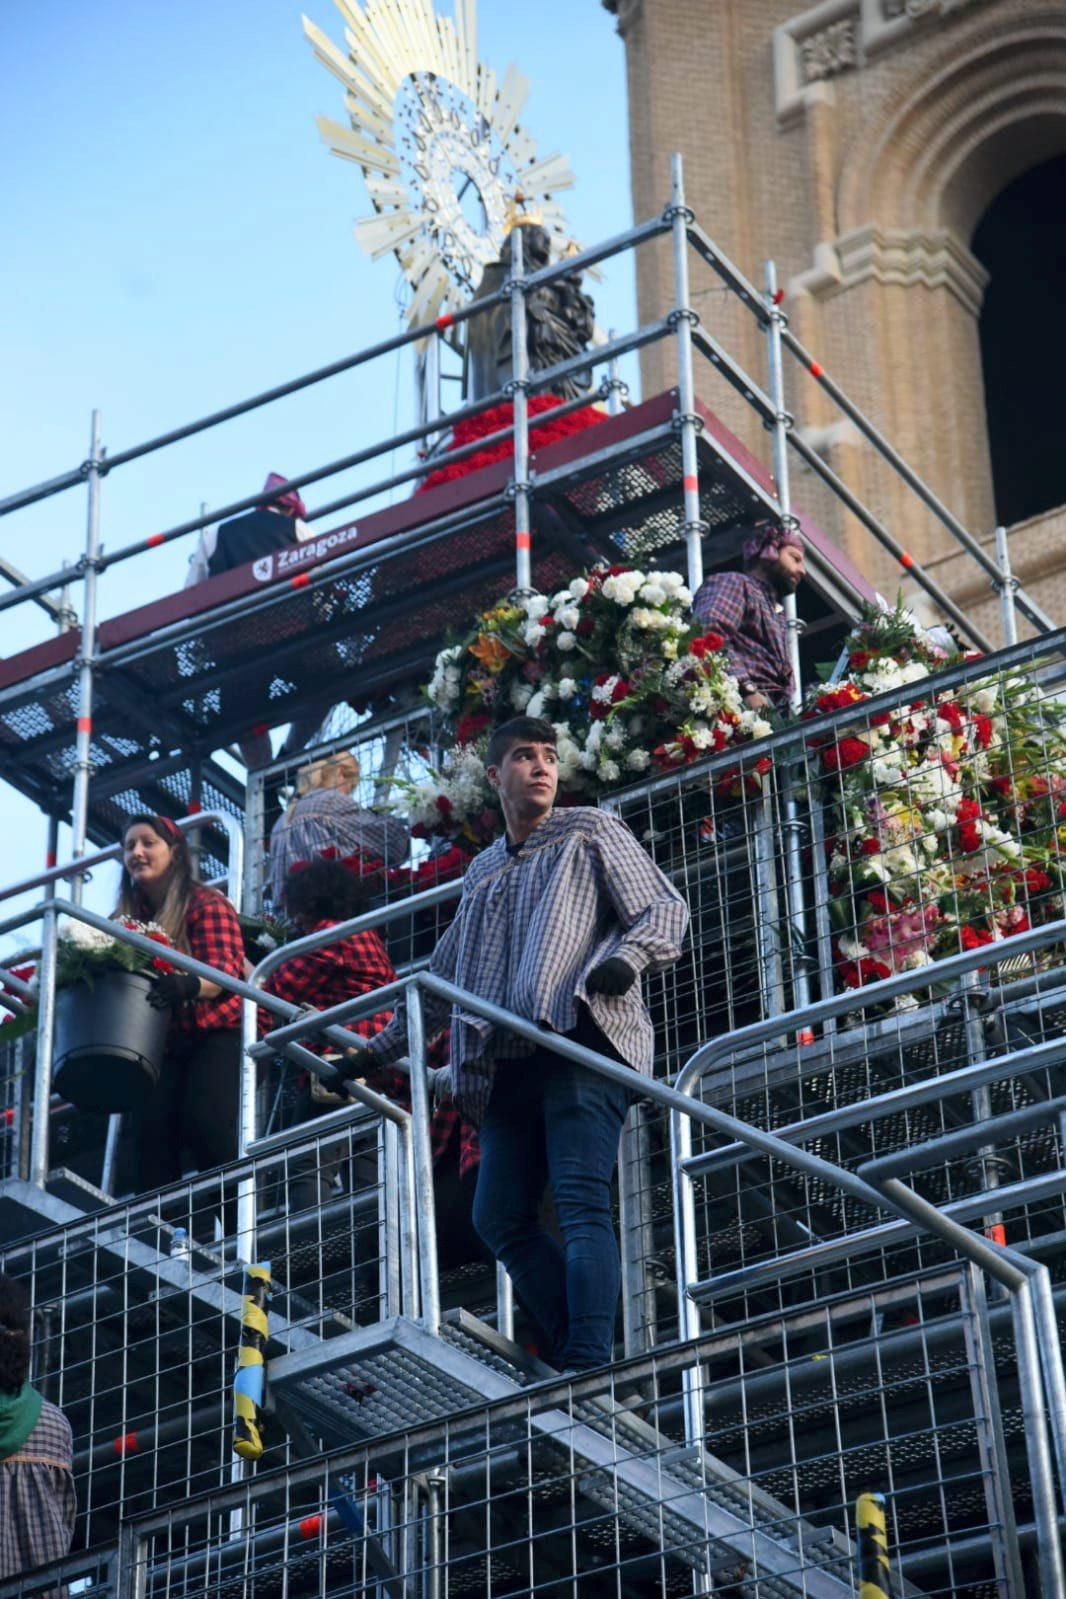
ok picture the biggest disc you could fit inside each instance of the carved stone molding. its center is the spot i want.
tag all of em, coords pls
(832, 50)
(934, 259)
(838, 36)
(912, 9)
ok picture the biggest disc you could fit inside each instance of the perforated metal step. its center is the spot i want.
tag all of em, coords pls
(395, 1377)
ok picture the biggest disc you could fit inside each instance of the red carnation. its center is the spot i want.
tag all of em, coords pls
(709, 644)
(1036, 881)
(974, 938)
(847, 752)
(471, 727)
(444, 804)
(870, 846)
(585, 627)
(877, 900)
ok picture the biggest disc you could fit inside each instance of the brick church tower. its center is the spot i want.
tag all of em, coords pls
(904, 164)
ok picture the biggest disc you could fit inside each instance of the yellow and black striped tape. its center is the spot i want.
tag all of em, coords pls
(249, 1382)
(875, 1574)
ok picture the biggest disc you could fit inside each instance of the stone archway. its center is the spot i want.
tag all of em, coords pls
(898, 291)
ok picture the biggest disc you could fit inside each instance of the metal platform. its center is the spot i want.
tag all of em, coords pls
(362, 609)
(396, 1375)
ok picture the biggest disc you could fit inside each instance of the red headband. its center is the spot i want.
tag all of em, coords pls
(163, 824)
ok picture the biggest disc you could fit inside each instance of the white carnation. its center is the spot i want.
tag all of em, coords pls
(567, 688)
(566, 641)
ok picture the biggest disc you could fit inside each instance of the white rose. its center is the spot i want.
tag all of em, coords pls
(651, 592)
(532, 634)
(566, 641)
(579, 588)
(567, 688)
(535, 606)
(913, 671)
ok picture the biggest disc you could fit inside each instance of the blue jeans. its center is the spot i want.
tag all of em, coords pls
(549, 1120)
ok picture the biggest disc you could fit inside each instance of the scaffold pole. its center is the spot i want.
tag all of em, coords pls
(84, 758)
(797, 914)
(1007, 586)
(519, 386)
(683, 318)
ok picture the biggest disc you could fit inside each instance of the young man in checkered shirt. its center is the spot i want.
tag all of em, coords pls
(557, 922)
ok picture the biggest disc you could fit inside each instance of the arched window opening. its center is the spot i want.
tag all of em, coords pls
(1021, 240)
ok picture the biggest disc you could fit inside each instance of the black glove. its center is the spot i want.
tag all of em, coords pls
(352, 1064)
(173, 988)
(612, 976)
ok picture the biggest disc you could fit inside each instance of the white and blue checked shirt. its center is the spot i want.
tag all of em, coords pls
(531, 926)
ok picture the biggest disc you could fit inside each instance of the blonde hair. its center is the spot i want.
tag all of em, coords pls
(328, 772)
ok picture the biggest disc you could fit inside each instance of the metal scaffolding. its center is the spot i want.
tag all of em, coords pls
(815, 1198)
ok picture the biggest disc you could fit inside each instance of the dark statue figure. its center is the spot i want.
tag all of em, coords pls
(559, 324)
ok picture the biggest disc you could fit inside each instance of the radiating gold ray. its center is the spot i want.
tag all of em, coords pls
(378, 235)
(466, 35)
(546, 176)
(351, 147)
(514, 93)
(398, 51)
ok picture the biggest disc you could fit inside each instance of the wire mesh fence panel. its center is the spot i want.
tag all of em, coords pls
(339, 797)
(94, 1575)
(138, 1310)
(592, 1487)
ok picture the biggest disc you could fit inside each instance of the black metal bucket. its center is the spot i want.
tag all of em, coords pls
(109, 1043)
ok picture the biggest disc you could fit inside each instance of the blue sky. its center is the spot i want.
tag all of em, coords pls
(178, 237)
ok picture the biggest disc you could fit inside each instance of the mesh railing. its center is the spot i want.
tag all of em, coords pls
(136, 1329)
(587, 1487)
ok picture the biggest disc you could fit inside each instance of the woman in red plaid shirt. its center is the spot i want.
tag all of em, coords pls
(322, 894)
(197, 1103)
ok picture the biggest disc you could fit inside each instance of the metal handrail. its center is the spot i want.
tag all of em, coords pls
(83, 866)
(398, 341)
(1016, 1274)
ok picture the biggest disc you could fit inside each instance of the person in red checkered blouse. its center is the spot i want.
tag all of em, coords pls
(321, 894)
(196, 1106)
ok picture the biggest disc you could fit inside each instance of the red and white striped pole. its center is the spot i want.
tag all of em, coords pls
(86, 661)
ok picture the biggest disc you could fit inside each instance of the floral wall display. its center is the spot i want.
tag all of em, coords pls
(628, 678)
(946, 816)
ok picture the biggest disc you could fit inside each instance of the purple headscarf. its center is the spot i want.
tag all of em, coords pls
(289, 504)
(767, 543)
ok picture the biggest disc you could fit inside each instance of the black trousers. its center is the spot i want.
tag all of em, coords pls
(195, 1112)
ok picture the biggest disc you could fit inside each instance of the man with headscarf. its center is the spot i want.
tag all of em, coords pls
(746, 609)
(272, 525)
